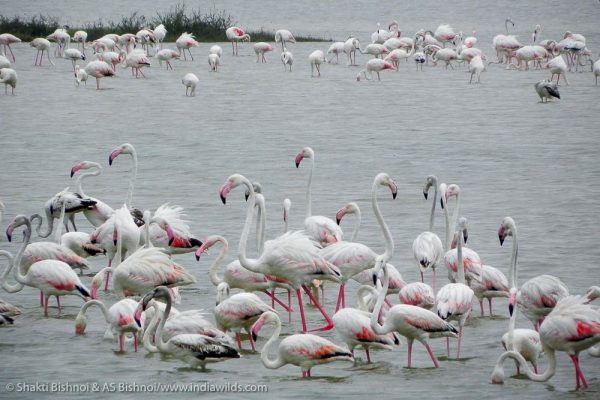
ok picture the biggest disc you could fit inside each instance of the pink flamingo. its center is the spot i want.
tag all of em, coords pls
(352, 257)
(321, 229)
(126, 148)
(284, 36)
(80, 37)
(260, 49)
(185, 42)
(572, 326)
(237, 312)
(291, 257)
(412, 322)
(98, 69)
(493, 284)
(100, 212)
(417, 294)
(6, 39)
(168, 230)
(304, 350)
(235, 35)
(166, 55)
(445, 33)
(374, 65)
(120, 317)
(195, 349)
(538, 296)
(42, 45)
(137, 59)
(52, 277)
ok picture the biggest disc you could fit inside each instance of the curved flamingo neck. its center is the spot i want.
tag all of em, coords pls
(5, 285)
(447, 219)
(546, 375)
(97, 303)
(58, 233)
(96, 171)
(377, 328)
(214, 269)
(261, 218)
(160, 343)
(308, 194)
(251, 265)
(356, 224)
(387, 235)
(151, 328)
(264, 355)
(22, 279)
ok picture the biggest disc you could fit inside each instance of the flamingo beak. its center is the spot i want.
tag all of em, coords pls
(425, 194)
(339, 215)
(299, 158)
(94, 293)
(501, 235)
(225, 189)
(9, 232)
(511, 303)
(113, 155)
(170, 234)
(75, 169)
(137, 315)
(465, 235)
(394, 189)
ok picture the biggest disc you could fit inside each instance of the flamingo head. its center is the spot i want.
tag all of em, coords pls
(350, 208)
(125, 148)
(512, 300)
(462, 226)
(96, 283)
(430, 181)
(507, 228)
(257, 189)
(593, 293)
(84, 165)
(384, 179)
(498, 374)
(164, 225)
(207, 244)
(232, 182)
(306, 152)
(18, 221)
(265, 318)
(80, 324)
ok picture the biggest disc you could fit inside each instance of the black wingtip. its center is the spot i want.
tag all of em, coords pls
(195, 242)
(83, 291)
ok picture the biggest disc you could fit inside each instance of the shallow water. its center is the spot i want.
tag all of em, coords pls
(510, 154)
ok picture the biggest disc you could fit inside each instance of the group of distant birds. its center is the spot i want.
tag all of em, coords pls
(140, 247)
(388, 48)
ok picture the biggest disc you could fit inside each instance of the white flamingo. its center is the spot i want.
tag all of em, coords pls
(42, 45)
(316, 58)
(190, 81)
(284, 36)
(374, 65)
(8, 76)
(166, 55)
(235, 35)
(185, 42)
(287, 59)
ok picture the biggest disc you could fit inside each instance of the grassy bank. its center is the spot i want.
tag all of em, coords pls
(208, 26)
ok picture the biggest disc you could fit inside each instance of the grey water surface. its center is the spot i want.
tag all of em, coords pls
(510, 154)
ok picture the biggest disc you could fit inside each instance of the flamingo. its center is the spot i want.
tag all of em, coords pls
(216, 49)
(445, 33)
(316, 58)
(410, 321)
(195, 349)
(396, 283)
(6, 39)
(111, 58)
(351, 257)
(80, 244)
(160, 32)
(284, 36)
(291, 257)
(417, 294)
(304, 350)
(538, 296)
(100, 212)
(166, 55)
(190, 81)
(213, 62)
(42, 45)
(104, 44)
(120, 317)
(52, 277)
(395, 56)
(185, 42)
(287, 58)
(596, 70)
(260, 49)
(350, 46)
(5, 307)
(98, 69)
(558, 67)
(476, 67)
(376, 50)
(4, 62)
(320, 229)
(354, 328)
(137, 59)
(170, 231)
(420, 59)
(146, 38)
(8, 76)
(374, 65)
(444, 54)
(546, 90)
(62, 39)
(72, 202)
(235, 35)
(73, 55)
(237, 312)
(493, 284)
(80, 37)
(470, 41)
(454, 300)
(572, 326)
(335, 49)
(126, 148)
(427, 247)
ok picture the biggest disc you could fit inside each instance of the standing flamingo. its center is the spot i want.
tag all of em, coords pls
(538, 296)
(321, 229)
(120, 317)
(410, 321)
(214, 61)
(445, 33)
(8, 76)
(287, 58)
(190, 81)
(316, 58)
(127, 148)
(98, 69)
(6, 39)
(558, 67)
(52, 277)
(351, 257)
(417, 294)
(284, 36)
(374, 65)
(160, 32)
(260, 49)
(235, 35)
(42, 45)
(4, 62)
(195, 349)
(427, 247)
(185, 42)
(335, 49)
(166, 55)
(596, 70)
(572, 326)
(351, 45)
(454, 300)
(291, 257)
(546, 90)
(80, 37)
(73, 55)
(304, 350)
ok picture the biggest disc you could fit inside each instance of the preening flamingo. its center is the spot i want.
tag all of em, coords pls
(558, 67)
(321, 229)
(538, 296)
(8, 76)
(316, 58)
(235, 35)
(216, 49)
(374, 65)
(51, 277)
(291, 257)
(195, 349)
(284, 36)
(260, 49)
(190, 81)
(417, 294)
(42, 45)
(169, 230)
(6, 39)
(546, 90)
(4, 62)
(238, 312)
(160, 32)
(350, 257)
(80, 37)
(410, 321)
(572, 326)
(445, 33)
(119, 317)
(476, 67)
(72, 202)
(304, 350)
(351, 45)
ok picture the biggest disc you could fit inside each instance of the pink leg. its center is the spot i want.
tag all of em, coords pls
(433, 358)
(387, 302)
(459, 341)
(578, 372)
(239, 340)
(368, 355)
(410, 343)
(339, 299)
(304, 374)
(58, 303)
(135, 343)
(252, 342)
(46, 305)
(481, 307)
(447, 346)
(272, 296)
(41, 298)
(323, 313)
(433, 282)
(106, 278)
(275, 299)
(289, 306)
(299, 295)
(422, 277)
(121, 343)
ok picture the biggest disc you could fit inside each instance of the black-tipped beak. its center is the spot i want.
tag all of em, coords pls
(297, 164)
(465, 235)
(337, 220)
(138, 322)
(394, 195)
(197, 257)
(254, 336)
(442, 203)
(9, 237)
(223, 199)
(375, 279)
(425, 194)
(72, 173)
(511, 309)
(110, 160)
(501, 238)
(171, 241)
(246, 195)
(115, 242)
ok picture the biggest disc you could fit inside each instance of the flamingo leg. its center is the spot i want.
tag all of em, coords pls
(410, 343)
(135, 343)
(41, 298)
(106, 278)
(460, 334)
(122, 343)
(252, 343)
(422, 277)
(274, 300)
(239, 340)
(302, 317)
(578, 373)
(46, 305)
(339, 299)
(289, 293)
(11, 53)
(433, 357)
(490, 304)
(368, 355)
(481, 307)
(272, 296)
(323, 313)
(447, 347)
(58, 303)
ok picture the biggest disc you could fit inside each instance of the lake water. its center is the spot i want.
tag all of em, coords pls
(510, 154)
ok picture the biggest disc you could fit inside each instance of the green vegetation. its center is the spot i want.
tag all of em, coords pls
(206, 27)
